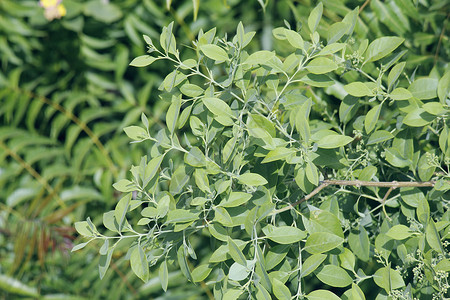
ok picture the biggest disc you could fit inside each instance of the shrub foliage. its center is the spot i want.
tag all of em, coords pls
(260, 184)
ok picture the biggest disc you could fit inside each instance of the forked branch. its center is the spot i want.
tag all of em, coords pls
(358, 183)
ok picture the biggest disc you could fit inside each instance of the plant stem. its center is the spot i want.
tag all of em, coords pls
(358, 183)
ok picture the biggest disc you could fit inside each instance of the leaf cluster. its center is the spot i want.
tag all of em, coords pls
(253, 132)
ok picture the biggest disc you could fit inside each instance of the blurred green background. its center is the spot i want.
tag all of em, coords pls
(66, 93)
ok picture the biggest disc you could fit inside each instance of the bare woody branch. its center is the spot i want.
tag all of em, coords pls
(358, 183)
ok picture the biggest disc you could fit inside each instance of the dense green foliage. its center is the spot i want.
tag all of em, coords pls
(66, 93)
(257, 131)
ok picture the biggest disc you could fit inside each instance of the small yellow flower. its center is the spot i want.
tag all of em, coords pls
(54, 9)
(49, 3)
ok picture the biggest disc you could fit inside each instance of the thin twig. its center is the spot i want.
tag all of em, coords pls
(364, 5)
(358, 183)
(393, 184)
(441, 36)
(33, 173)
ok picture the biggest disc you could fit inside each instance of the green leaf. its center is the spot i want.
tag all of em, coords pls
(220, 109)
(252, 179)
(110, 221)
(294, 38)
(172, 114)
(334, 141)
(424, 88)
(331, 48)
(201, 272)
(400, 94)
(217, 106)
(125, 186)
(163, 275)
(79, 246)
(443, 87)
(201, 180)
(276, 255)
(348, 108)
(347, 259)
(302, 120)
(379, 136)
(142, 61)
(434, 108)
(228, 149)
(411, 195)
(336, 31)
(358, 89)
(323, 221)
(279, 153)
(136, 133)
(399, 232)
(418, 118)
(121, 210)
(182, 262)
(262, 293)
(311, 173)
(195, 158)
(357, 293)
(259, 57)
(317, 80)
(311, 263)
(238, 272)
(321, 295)
(395, 158)
(223, 217)
(381, 47)
(388, 279)
(235, 199)
(367, 173)
(236, 253)
(222, 253)
(280, 290)
(433, 238)
(218, 231)
(84, 229)
(191, 90)
(423, 211)
(167, 39)
(284, 234)
(214, 52)
(395, 72)
(151, 169)
(443, 265)
(320, 242)
(182, 216)
(425, 169)
(148, 40)
(334, 276)
(314, 17)
(359, 243)
(321, 65)
(372, 117)
(139, 263)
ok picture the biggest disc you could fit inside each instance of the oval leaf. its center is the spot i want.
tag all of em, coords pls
(381, 47)
(214, 52)
(321, 65)
(285, 234)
